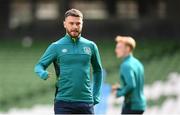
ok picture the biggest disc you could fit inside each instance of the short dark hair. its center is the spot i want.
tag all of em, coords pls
(73, 12)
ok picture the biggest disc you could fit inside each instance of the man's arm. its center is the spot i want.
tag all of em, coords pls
(46, 59)
(129, 78)
(97, 74)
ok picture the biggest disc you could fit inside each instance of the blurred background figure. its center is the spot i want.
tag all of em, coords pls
(132, 77)
(27, 27)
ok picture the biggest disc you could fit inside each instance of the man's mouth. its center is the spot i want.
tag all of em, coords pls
(74, 31)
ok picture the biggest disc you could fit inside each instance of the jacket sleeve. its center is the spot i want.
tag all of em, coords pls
(45, 60)
(129, 79)
(97, 74)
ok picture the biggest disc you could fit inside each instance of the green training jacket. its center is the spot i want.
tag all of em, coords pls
(132, 77)
(72, 60)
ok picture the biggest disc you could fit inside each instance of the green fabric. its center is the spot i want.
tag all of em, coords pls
(74, 60)
(132, 77)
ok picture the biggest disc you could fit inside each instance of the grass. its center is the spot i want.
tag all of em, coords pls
(20, 87)
(18, 82)
(160, 101)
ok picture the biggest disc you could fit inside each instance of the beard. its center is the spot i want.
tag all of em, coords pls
(74, 33)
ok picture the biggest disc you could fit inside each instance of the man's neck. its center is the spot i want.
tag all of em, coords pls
(127, 55)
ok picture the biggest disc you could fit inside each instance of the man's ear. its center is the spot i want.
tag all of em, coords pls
(129, 49)
(64, 23)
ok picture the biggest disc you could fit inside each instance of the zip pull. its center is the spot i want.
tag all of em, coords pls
(74, 40)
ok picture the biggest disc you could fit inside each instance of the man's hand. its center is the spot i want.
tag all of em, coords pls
(49, 75)
(114, 88)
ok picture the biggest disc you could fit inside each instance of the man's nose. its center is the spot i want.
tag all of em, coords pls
(74, 26)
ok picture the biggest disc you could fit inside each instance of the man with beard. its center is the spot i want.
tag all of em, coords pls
(73, 56)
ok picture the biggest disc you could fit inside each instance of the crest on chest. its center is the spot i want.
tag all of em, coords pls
(87, 50)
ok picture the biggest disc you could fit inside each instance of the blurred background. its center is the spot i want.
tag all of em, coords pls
(27, 27)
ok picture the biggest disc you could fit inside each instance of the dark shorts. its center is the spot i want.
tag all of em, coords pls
(126, 110)
(63, 107)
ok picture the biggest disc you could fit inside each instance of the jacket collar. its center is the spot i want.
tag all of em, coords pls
(73, 39)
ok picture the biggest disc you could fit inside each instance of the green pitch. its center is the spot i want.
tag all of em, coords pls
(20, 87)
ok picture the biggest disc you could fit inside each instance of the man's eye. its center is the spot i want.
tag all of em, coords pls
(78, 23)
(71, 23)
